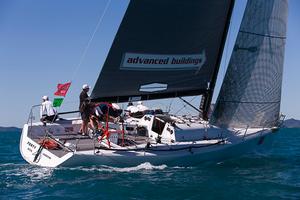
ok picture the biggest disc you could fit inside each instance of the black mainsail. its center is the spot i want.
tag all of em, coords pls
(165, 48)
(251, 92)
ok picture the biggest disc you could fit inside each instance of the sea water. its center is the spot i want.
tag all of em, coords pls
(271, 174)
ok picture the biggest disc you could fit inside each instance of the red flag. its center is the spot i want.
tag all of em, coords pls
(62, 89)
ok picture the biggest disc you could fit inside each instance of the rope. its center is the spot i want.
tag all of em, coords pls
(88, 44)
(91, 39)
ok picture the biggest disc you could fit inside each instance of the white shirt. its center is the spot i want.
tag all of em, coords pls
(131, 109)
(98, 111)
(142, 108)
(47, 109)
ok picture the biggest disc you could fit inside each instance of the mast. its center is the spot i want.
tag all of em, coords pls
(207, 96)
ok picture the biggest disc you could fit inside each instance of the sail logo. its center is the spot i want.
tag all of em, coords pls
(153, 87)
(161, 62)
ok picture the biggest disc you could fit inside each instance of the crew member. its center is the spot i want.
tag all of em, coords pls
(84, 108)
(113, 110)
(47, 112)
(130, 109)
(141, 107)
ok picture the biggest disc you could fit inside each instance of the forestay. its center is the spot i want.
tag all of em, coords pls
(164, 48)
(251, 92)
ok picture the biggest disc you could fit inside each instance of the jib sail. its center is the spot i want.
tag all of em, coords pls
(251, 91)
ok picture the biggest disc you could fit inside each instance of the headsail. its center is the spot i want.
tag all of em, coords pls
(164, 48)
(251, 91)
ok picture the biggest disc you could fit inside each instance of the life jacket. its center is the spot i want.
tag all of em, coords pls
(49, 144)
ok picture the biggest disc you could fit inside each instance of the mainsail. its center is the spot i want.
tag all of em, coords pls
(165, 48)
(251, 92)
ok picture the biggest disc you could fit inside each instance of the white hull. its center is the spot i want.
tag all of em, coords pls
(179, 158)
(176, 153)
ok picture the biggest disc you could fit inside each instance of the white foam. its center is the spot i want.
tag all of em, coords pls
(10, 164)
(142, 167)
(38, 173)
(34, 173)
(178, 167)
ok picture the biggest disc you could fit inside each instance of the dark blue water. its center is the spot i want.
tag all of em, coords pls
(273, 174)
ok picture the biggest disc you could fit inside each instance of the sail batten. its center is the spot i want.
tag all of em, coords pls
(251, 91)
(173, 43)
(263, 35)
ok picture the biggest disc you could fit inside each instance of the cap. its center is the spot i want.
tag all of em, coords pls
(45, 98)
(85, 86)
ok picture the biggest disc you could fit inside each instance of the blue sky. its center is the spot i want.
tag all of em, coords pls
(41, 44)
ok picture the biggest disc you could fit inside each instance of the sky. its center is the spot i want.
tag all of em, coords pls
(43, 43)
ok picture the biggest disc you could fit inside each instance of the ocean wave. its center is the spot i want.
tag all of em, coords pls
(141, 167)
(33, 173)
(11, 164)
(180, 167)
(19, 177)
(103, 168)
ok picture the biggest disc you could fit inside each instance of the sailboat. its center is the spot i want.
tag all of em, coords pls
(173, 49)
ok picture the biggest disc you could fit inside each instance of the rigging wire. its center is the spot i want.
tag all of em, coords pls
(89, 42)
(184, 106)
(170, 105)
(91, 39)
